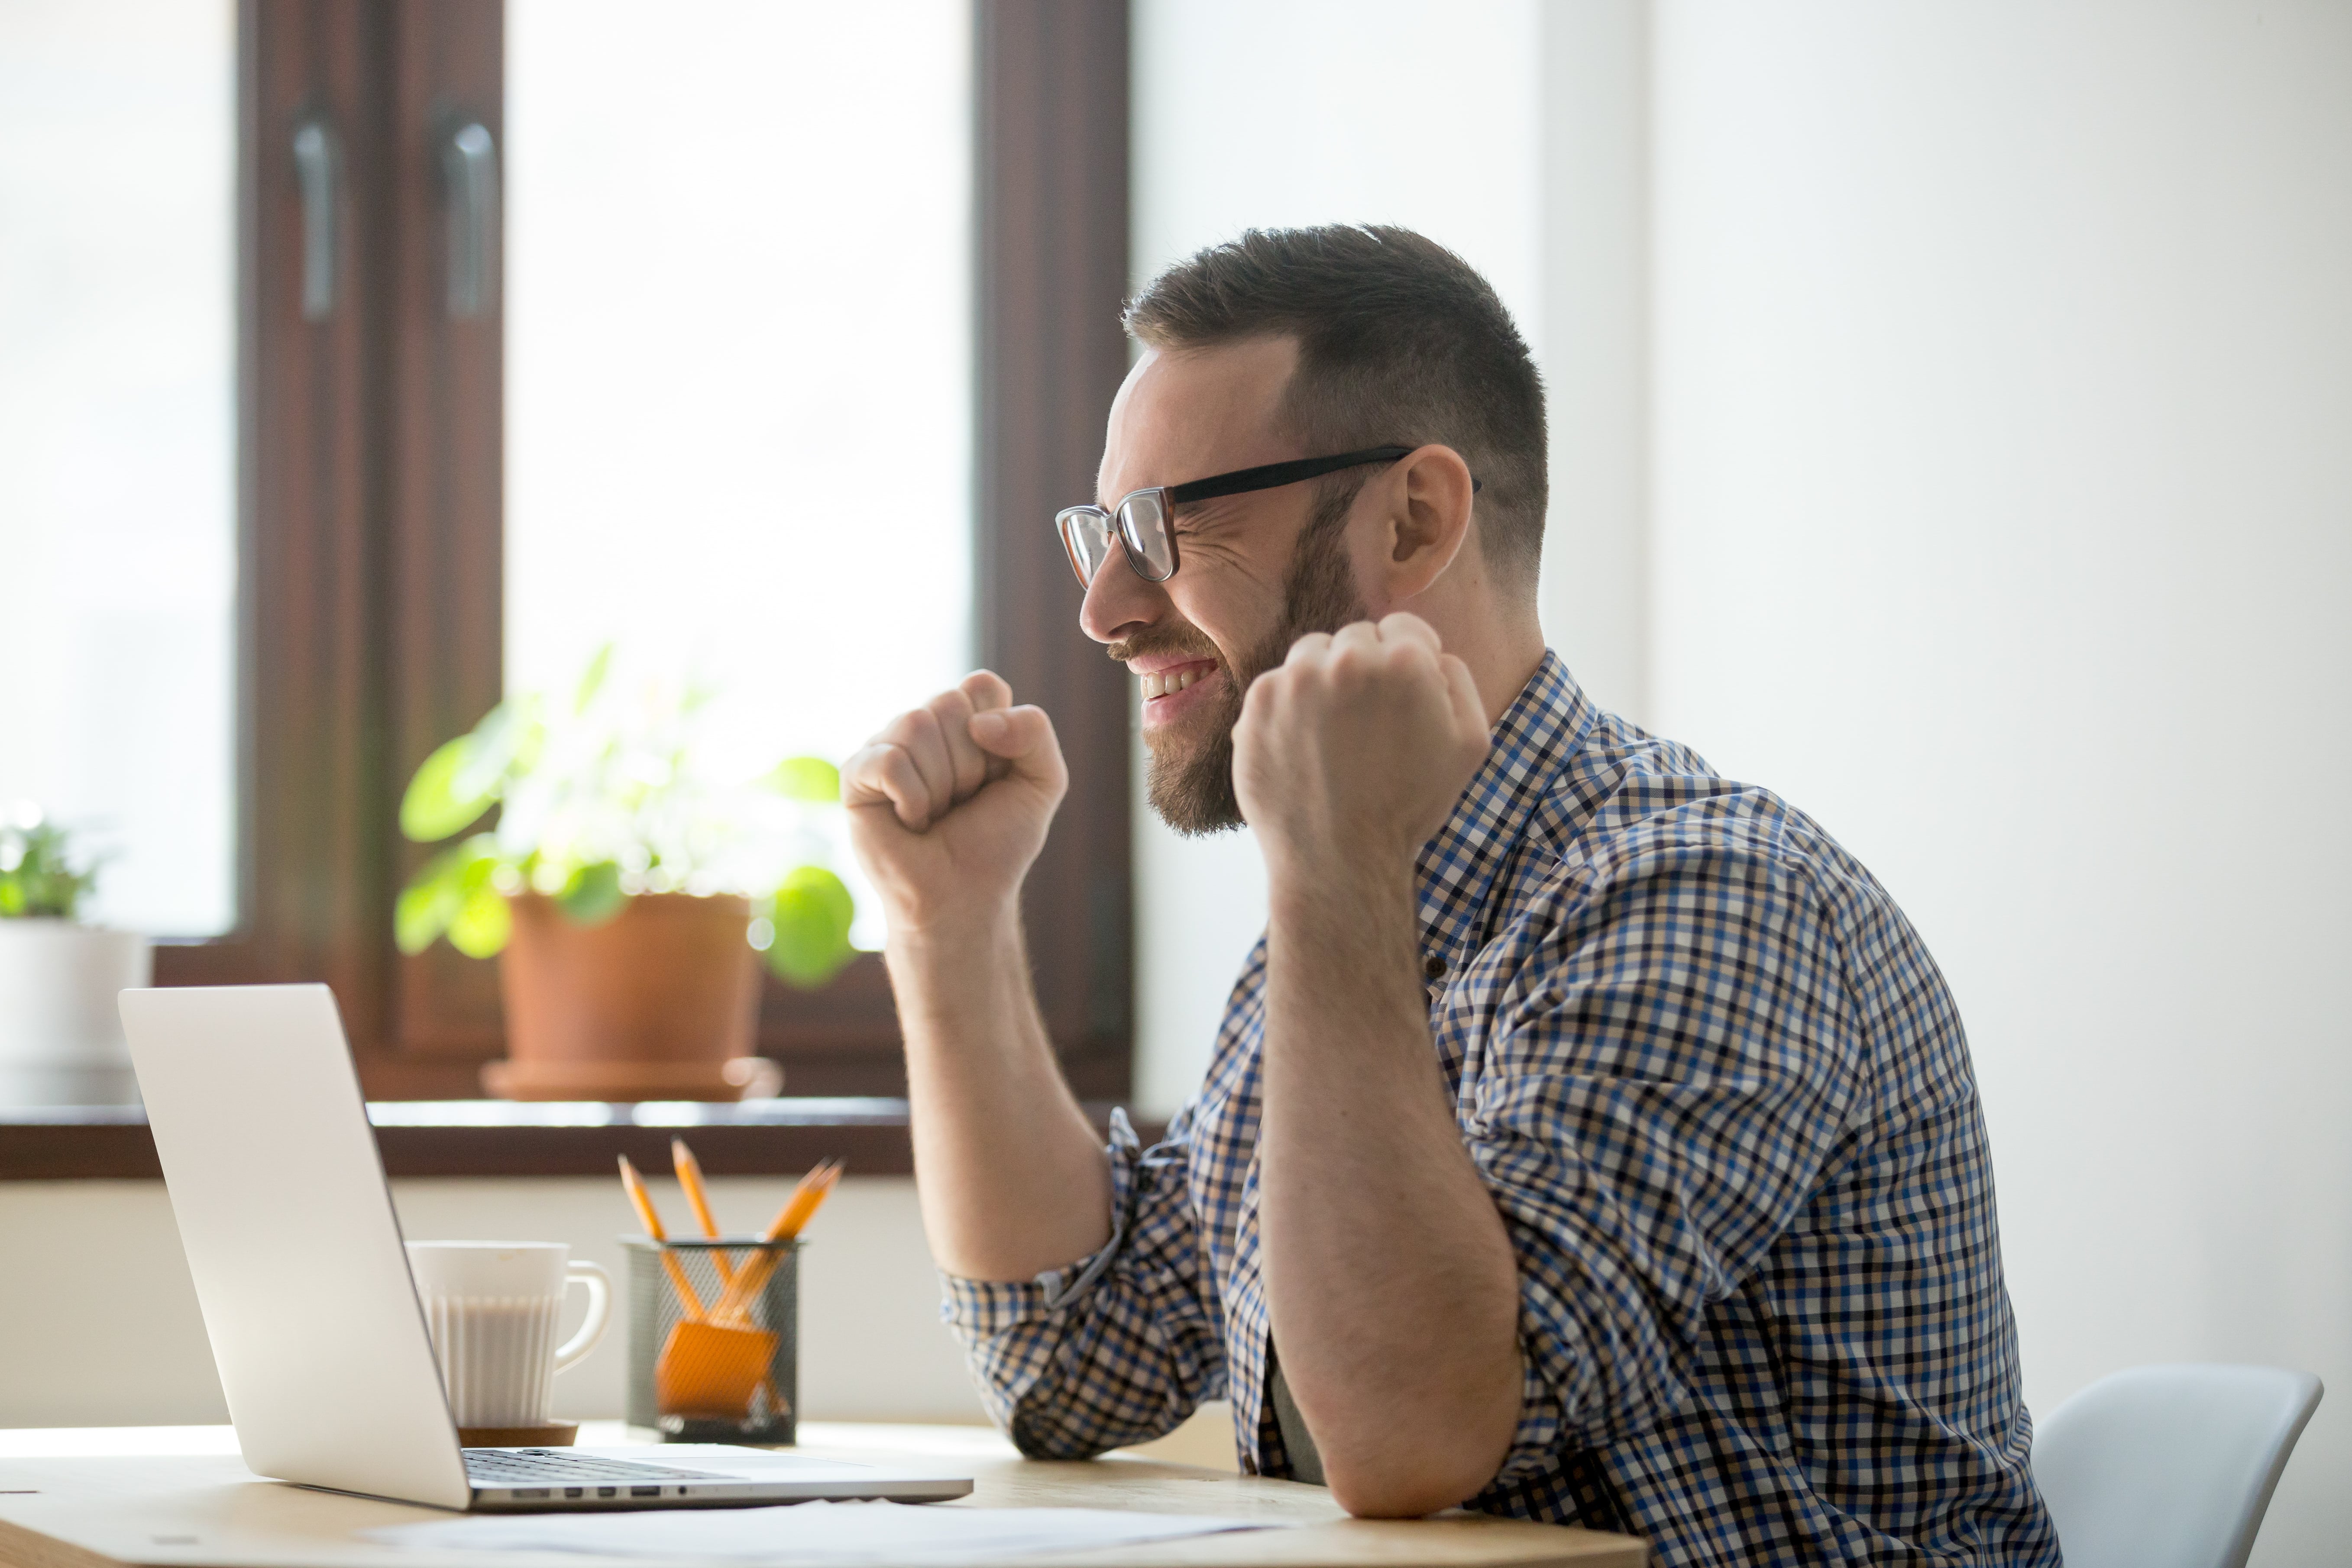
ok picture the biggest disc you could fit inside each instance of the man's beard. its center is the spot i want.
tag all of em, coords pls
(1191, 786)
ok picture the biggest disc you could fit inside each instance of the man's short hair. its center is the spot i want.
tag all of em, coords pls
(1401, 341)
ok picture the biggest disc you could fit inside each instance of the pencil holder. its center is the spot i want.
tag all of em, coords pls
(724, 1367)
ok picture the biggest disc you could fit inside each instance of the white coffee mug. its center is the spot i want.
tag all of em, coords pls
(492, 1307)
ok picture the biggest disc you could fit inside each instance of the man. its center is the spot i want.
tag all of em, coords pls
(1590, 1138)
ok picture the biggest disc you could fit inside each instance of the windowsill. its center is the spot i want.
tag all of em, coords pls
(505, 1138)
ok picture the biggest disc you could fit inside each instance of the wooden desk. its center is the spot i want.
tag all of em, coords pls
(179, 1497)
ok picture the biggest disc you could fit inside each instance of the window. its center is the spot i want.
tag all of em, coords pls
(738, 367)
(736, 452)
(118, 497)
(415, 529)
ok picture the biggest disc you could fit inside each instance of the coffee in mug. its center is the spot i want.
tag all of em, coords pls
(492, 1307)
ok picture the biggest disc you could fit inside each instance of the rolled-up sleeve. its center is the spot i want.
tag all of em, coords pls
(1116, 1348)
(1659, 1099)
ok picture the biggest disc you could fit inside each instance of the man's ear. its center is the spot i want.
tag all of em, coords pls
(1426, 502)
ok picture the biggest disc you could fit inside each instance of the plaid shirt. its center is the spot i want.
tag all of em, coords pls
(1723, 1101)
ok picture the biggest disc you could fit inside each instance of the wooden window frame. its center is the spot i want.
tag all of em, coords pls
(371, 526)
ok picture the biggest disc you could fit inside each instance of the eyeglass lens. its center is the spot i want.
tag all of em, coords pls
(1086, 535)
(1143, 522)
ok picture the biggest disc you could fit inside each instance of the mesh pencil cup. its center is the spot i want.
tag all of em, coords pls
(714, 1379)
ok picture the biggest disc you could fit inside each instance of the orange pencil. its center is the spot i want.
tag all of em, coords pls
(690, 1176)
(643, 1200)
(796, 1212)
(803, 1205)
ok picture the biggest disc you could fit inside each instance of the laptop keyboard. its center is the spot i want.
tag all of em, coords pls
(540, 1467)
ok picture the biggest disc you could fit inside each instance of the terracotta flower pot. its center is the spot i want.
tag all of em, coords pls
(661, 1002)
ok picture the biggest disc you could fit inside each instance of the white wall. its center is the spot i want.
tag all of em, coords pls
(1516, 133)
(2002, 478)
(1952, 429)
(1595, 126)
(98, 1323)
(1421, 112)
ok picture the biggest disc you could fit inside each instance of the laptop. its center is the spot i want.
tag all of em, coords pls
(315, 1325)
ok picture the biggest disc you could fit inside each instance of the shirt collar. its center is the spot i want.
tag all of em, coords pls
(1532, 744)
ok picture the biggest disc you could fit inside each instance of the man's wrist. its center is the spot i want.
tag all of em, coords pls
(1304, 894)
(1318, 875)
(956, 924)
(949, 949)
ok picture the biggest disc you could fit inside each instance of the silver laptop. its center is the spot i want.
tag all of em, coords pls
(323, 1348)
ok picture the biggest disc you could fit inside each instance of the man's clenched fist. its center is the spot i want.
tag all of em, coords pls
(1352, 753)
(950, 804)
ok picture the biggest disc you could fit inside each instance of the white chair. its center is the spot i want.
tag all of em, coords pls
(2169, 1466)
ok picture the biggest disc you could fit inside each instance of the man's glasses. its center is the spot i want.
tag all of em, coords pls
(1144, 524)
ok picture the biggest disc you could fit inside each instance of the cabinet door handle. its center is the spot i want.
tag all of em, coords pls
(469, 176)
(314, 175)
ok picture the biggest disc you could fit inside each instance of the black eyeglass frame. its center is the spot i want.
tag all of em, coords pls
(1120, 521)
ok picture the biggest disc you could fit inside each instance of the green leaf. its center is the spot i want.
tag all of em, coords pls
(37, 878)
(482, 924)
(477, 860)
(591, 680)
(811, 779)
(439, 892)
(811, 912)
(436, 805)
(496, 747)
(420, 914)
(594, 894)
(815, 881)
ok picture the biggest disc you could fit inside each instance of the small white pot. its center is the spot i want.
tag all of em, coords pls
(60, 1036)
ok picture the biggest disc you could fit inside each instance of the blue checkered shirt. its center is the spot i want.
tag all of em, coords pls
(1723, 1101)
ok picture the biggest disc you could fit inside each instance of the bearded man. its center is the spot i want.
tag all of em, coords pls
(1590, 1137)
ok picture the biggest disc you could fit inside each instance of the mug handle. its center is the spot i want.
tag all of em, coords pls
(580, 1271)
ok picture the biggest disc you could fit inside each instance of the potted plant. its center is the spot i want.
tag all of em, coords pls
(632, 883)
(60, 1037)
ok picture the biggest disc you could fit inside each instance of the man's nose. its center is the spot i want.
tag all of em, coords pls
(1118, 601)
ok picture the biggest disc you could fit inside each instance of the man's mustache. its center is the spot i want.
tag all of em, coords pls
(1168, 639)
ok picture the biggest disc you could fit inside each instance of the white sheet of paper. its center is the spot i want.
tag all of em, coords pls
(810, 1534)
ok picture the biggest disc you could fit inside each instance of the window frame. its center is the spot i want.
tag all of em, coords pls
(370, 527)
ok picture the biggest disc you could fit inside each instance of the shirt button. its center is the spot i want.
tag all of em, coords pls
(1434, 967)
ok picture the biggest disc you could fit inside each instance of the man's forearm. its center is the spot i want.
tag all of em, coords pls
(1011, 1178)
(1390, 1281)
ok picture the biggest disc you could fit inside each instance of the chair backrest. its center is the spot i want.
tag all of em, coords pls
(2169, 1466)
